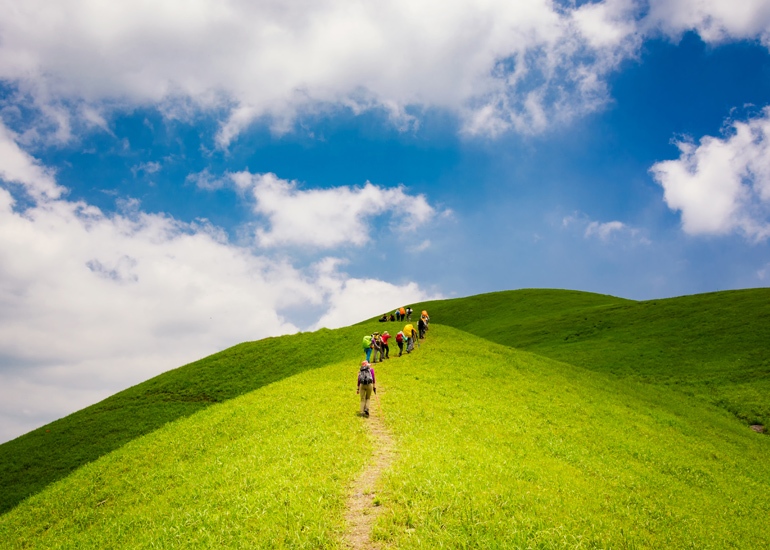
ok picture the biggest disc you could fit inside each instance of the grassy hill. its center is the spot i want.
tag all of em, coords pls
(560, 446)
(715, 346)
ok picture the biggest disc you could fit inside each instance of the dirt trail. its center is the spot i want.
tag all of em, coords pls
(362, 511)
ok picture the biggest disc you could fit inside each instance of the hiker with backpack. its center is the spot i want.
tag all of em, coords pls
(385, 347)
(408, 314)
(422, 327)
(366, 385)
(377, 346)
(400, 342)
(410, 337)
(367, 345)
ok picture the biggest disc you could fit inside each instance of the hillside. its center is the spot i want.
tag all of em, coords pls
(549, 419)
(715, 345)
(38, 458)
(495, 448)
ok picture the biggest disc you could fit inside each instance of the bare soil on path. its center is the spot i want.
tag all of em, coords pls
(363, 508)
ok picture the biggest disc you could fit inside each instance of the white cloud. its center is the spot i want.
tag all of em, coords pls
(91, 303)
(16, 166)
(722, 185)
(375, 296)
(607, 24)
(604, 230)
(497, 64)
(206, 180)
(146, 168)
(327, 218)
(613, 231)
(714, 20)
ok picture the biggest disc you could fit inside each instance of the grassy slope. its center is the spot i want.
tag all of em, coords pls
(713, 345)
(505, 449)
(497, 448)
(269, 469)
(32, 461)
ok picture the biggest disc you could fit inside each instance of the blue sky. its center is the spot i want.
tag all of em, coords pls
(179, 177)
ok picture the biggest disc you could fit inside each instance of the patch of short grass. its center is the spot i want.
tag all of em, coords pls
(505, 449)
(269, 469)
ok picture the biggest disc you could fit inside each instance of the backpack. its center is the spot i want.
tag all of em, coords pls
(365, 376)
(399, 337)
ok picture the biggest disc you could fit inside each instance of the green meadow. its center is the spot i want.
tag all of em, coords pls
(714, 346)
(526, 419)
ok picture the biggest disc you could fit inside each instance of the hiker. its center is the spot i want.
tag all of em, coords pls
(410, 337)
(391, 318)
(366, 385)
(426, 317)
(402, 311)
(367, 344)
(422, 327)
(385, 347)
(397, 313)
(408, 314)
(384, 318)
(400, 342)
(377, 346)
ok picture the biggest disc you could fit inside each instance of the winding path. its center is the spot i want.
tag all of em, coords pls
(362, 511)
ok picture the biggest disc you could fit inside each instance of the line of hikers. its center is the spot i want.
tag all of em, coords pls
(376, 344)
(401, 314)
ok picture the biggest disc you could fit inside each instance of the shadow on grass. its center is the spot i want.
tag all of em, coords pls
(33, 461)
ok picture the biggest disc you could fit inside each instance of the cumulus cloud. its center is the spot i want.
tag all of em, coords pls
(376, 296)
(722, 184)
(17, 166)
(92, 302)
(715, 21)
(497, 64)
(327, 218)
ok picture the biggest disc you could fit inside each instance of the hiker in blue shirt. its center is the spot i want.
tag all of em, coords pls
(367, 345)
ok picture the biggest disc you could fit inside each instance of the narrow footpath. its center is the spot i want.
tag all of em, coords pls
(362, 510)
